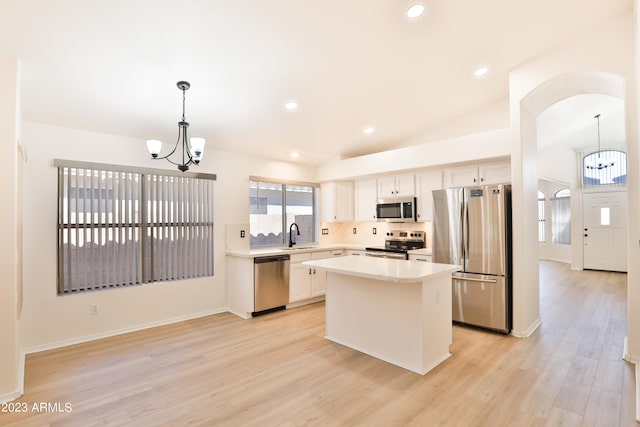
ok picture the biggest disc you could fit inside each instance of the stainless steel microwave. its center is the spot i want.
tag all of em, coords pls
(396, 209)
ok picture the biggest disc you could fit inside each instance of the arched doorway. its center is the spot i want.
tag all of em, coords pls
(526, 294)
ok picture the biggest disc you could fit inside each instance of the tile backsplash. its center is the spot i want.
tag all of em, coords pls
(237, 235)
(342, 232)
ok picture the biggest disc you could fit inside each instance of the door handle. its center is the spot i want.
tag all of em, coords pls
(473, 279)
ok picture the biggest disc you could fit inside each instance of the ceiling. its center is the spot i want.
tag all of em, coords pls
(572, 123)
(111, 66)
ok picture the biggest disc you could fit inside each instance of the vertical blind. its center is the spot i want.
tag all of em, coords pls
(561, 220)
(119, 227)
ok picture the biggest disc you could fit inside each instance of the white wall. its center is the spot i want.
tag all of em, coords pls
(50, 320)
(9, 230)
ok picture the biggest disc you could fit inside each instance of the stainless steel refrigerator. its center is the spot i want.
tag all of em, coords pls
(472, 228)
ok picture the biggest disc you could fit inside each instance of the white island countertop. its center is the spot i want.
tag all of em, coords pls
(387, 269)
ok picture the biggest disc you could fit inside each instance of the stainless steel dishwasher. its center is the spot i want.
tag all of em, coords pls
(270, 283)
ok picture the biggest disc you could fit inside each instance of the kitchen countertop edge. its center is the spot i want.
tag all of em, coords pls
(252, 253)
(393, 270)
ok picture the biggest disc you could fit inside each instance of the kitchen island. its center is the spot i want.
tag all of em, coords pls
(395, 310)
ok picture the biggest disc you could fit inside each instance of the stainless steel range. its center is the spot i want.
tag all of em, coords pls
(398, 243)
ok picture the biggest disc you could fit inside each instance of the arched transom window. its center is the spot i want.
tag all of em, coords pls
(608, 167)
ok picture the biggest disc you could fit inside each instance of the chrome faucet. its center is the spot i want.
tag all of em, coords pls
(291, 242)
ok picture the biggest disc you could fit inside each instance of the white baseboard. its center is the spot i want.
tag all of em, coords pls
(107, 334)
(241, 315)
(637, 392)
(305, 302)
(20, 391)
(563, 261)
(626, 356)
(530, 330)
(10, 396)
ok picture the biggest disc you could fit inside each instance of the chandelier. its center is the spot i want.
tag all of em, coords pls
(600, 162)
(191, 148)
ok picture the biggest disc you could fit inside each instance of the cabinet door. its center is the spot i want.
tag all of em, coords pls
(328, 201)
(387, 186)
(366, 196)
(405, 185)
(427, 182)
(318, 282)
(461, 176)
(336, 201)
(299, 282)
(344, 201)
(495, 173)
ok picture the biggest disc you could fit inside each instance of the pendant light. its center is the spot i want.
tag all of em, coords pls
(192, 148)
(601, 161)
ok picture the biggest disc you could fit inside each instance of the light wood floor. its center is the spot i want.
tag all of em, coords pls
(278, 370)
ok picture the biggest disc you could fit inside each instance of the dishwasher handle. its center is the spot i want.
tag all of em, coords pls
(273, 258)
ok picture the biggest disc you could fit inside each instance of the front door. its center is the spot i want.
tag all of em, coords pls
(605, 230)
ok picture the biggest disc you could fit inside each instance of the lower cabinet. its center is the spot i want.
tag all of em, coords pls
(423, 258)
(304, 282)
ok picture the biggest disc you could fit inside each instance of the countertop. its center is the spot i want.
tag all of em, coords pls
(382, 268)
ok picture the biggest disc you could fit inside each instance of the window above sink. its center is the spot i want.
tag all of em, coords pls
(274, 206)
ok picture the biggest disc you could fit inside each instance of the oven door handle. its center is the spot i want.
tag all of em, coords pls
(386, 255)
(375, 254)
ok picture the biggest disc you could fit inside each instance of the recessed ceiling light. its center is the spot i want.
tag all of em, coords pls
(481, 72)
(291, 105)
(368, 131)
(295, 155)
(415, 11)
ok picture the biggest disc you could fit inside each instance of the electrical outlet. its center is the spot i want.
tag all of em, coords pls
(374, 231)
(354, 230)
(325, 231)
(242, 234)
(94, 309)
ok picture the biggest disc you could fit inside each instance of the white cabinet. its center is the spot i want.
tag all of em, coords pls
(337, 201)
(366, 194)
(426, 182)
(305, 282)
(495, 173)
(423, 258)
(461, 176)
(396, 186)
(489, 173)
(299, 278)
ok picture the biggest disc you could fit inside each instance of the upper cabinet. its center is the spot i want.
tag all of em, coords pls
(366, 196)
(495, 173)
(488, 173)
(336, 201)
(426, 182)
(396, 186)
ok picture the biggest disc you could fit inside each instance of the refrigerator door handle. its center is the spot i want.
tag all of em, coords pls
(465, 230)
(471, 279)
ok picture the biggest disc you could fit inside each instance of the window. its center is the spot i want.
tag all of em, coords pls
(541, 218)
(118, 226)
(607, 167)
(274, 206)
(561, 217)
